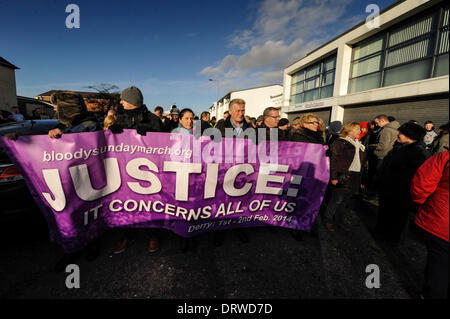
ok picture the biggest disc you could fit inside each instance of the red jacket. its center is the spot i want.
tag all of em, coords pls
(430, 187)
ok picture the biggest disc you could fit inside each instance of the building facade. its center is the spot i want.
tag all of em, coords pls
(399, 69)
(8, 97)
(256, 100)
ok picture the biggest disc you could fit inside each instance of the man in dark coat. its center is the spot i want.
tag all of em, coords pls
(393, 181)
(136, 116)
(205, 121)
(235, 123)
(270, 122)
(226, 114)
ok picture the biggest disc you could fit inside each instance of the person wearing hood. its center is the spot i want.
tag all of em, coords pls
(136, 116)
(284, 127)
(307, 129)
(72, 115)
(334, 130)
(364, 136)
(346, 169)
(394, 178)
(430, 189)
(174, 120)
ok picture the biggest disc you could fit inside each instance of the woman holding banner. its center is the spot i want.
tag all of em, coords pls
(186, 126)
(346, 166)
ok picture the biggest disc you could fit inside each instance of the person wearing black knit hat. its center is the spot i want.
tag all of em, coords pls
(284, 127)
(393, 180)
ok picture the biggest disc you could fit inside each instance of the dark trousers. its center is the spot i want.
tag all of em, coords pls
(339, 202)
(436, 271)
(131, 233)
(392, 217)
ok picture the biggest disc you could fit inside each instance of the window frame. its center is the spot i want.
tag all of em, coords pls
(317, 77)
(434, 35)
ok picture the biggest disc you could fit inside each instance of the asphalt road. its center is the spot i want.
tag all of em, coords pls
(272, 265)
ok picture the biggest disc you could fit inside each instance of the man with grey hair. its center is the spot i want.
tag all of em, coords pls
(236, 121)
(236, 124)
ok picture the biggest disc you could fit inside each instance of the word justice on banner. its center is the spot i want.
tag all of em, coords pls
(86, 183)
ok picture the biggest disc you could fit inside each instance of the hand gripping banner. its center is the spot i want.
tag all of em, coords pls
(86, 183)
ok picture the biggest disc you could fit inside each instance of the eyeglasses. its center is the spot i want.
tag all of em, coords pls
(275, 117)
(314, 122)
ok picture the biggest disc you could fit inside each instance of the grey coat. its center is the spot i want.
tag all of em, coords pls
(386, 139)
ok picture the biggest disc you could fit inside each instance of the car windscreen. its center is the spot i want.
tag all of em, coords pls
(33, 127)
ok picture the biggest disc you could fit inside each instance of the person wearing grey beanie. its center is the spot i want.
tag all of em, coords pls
(136, 116)
(133, 96)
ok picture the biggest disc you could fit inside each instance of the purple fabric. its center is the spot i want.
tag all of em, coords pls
(84, 217)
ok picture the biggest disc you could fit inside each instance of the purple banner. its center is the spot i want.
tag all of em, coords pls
(86, 183)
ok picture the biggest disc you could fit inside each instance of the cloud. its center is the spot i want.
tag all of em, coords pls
(284, 31)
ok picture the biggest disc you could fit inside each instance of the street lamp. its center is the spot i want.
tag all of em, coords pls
(217, 88)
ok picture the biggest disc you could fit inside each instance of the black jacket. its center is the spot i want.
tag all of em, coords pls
(204, 125)
(221, 126)
(398, 169)
(342, 153)
(306, 136)
(140, 119)
(169, 125)
(84, 122)
(282, 136)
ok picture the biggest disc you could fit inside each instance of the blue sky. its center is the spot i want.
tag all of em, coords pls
(169, 49)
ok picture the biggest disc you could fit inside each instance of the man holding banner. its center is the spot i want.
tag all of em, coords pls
(235, 126)
(136, 116)
(90, 182)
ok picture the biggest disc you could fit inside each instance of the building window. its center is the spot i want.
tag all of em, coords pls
(441, 59)
(366, 65)
(314, 82)
(415, 50)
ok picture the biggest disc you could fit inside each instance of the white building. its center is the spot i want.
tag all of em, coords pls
(399, 69)
(8, 97)
(256, 100)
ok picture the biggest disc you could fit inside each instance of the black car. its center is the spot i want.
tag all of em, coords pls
(14, 194)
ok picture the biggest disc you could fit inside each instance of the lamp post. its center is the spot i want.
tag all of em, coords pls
(217, 89)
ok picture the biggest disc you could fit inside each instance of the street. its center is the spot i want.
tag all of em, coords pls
(272, 265)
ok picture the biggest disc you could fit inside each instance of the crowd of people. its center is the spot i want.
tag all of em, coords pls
(400, 167)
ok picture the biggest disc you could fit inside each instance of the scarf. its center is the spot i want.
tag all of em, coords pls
(355, 166)
(181, 129)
